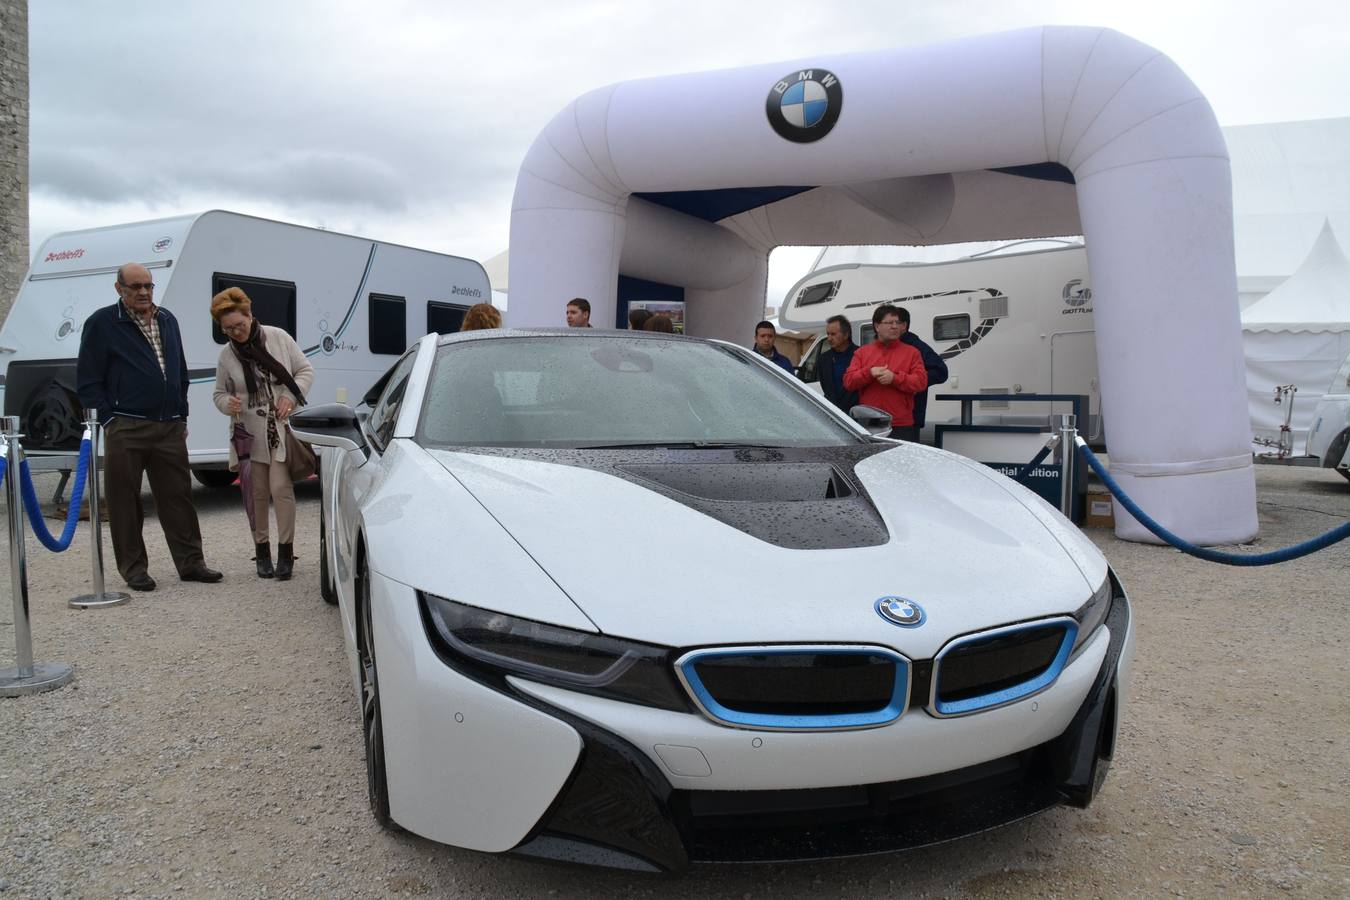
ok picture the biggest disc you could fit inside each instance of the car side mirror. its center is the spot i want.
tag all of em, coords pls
(330, 425)
(877, 422)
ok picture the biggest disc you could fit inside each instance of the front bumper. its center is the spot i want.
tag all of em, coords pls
(585, 779)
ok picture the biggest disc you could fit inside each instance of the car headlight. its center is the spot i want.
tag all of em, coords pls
(1092, 614)
(592, 663)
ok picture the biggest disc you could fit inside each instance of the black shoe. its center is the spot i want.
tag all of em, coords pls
(141, 582)
(264, 558)
(285, 560)
(201, 573)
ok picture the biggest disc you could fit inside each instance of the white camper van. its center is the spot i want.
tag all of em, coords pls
(353, 304)
(1016, 319)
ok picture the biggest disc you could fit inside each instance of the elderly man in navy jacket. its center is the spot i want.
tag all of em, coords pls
(133, 371)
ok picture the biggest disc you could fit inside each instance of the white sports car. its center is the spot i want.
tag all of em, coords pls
(642, 601)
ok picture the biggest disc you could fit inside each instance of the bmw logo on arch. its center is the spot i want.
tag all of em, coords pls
(902, 612)
(804, 106)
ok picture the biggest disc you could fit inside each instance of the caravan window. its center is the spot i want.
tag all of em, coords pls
(817, 293)
(273, 301)
(951, 328)
(444, 318)
(388, 324)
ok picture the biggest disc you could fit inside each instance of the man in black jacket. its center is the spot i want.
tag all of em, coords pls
(133, 371)
(834, 361)
(937, 368)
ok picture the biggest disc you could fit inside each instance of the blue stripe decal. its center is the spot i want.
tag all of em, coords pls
(870, 719)
(1009, 694)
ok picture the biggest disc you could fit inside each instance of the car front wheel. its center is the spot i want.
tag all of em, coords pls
(372, 726)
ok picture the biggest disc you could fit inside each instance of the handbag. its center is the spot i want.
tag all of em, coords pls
(300, 458)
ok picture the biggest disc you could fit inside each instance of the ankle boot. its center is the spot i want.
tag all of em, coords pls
(264, 558)
(284, 561)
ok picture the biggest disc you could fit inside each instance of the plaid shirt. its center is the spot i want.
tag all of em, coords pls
(151, 331)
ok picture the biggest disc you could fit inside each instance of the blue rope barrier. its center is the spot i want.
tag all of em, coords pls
(1035, 461)
(30, 500)
(1339, 533)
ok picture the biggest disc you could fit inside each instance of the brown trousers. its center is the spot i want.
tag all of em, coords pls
(139, 446)
(273, 481)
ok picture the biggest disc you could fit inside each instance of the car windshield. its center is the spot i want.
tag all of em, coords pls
(594, 392)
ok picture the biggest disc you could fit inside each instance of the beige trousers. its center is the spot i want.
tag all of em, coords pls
(273, 482)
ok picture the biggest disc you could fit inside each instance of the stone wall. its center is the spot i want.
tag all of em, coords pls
(13, 148)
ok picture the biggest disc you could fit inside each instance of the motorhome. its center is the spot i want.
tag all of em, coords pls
(353, 304)
(1016, 319)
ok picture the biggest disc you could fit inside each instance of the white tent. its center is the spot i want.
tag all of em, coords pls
(1298, 334)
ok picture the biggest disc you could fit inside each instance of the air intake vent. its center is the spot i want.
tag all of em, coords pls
(999, 667)
(811, 688)
(994, 404)
(994, 307)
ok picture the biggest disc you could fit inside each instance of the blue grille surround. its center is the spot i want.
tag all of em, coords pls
(1012, 693)
(846, 721)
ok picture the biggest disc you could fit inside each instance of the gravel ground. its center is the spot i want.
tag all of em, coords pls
(210, 745)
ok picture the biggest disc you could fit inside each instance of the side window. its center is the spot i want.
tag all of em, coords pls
(444, 318)
(384, 415)
(867, 334)
(809, 370)
(951, 328)
(388, 324)
(273, 301)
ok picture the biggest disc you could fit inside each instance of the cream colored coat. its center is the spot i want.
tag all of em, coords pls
(230, 383)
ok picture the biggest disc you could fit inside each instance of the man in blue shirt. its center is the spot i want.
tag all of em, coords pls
(936, 366)
(834, 361)
(764, 336)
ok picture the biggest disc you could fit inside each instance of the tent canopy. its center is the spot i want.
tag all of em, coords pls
(1315, 298)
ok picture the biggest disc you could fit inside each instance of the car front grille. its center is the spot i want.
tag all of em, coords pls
(994, 668)
(798, 688)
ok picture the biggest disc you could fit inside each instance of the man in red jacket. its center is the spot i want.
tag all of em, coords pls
(887, 373)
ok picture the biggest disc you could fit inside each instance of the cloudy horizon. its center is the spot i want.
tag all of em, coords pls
(407, 121)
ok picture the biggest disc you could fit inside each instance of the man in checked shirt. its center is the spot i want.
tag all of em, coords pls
(133, 371)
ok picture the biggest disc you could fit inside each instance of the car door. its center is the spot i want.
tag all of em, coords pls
(356, 482)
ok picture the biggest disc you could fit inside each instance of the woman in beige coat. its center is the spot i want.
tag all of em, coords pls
(261, 376)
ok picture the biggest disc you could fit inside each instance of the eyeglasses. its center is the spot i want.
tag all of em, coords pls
(142, 286)
(234, 328)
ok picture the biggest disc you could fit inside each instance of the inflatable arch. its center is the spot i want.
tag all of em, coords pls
(689, 181)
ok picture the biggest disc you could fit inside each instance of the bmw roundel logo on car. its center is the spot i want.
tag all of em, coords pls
(804, 106)
(902, 612)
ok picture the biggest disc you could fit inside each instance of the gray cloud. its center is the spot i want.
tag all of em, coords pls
(410, 119)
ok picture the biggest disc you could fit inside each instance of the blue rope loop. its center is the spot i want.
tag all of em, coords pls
(30, 500)
(1039, 458)
(1339, 533)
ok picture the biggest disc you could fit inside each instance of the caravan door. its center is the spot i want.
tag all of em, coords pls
(1073, 370)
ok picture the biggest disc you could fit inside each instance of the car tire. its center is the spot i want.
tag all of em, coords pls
(215, 478)
(326, 589)
(372, 723)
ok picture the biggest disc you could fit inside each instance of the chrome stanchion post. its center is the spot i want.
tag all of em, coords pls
(1068, 452)
(26, 677)
(99, 598)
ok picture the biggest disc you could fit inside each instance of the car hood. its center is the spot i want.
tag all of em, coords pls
(971, 547)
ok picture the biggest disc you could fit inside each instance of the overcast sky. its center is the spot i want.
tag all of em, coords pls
(407, 121)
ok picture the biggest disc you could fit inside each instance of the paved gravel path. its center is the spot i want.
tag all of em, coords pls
(210, 745)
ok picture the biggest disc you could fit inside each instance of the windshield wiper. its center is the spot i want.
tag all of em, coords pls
(680, 445)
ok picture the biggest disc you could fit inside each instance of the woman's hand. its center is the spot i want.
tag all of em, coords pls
(284, 407)
(234, 405)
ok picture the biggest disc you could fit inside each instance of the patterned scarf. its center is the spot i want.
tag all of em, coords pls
(253, 354)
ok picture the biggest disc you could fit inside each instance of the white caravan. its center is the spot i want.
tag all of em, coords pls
(1329, 437)
(353, 304)
(1013, 320)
